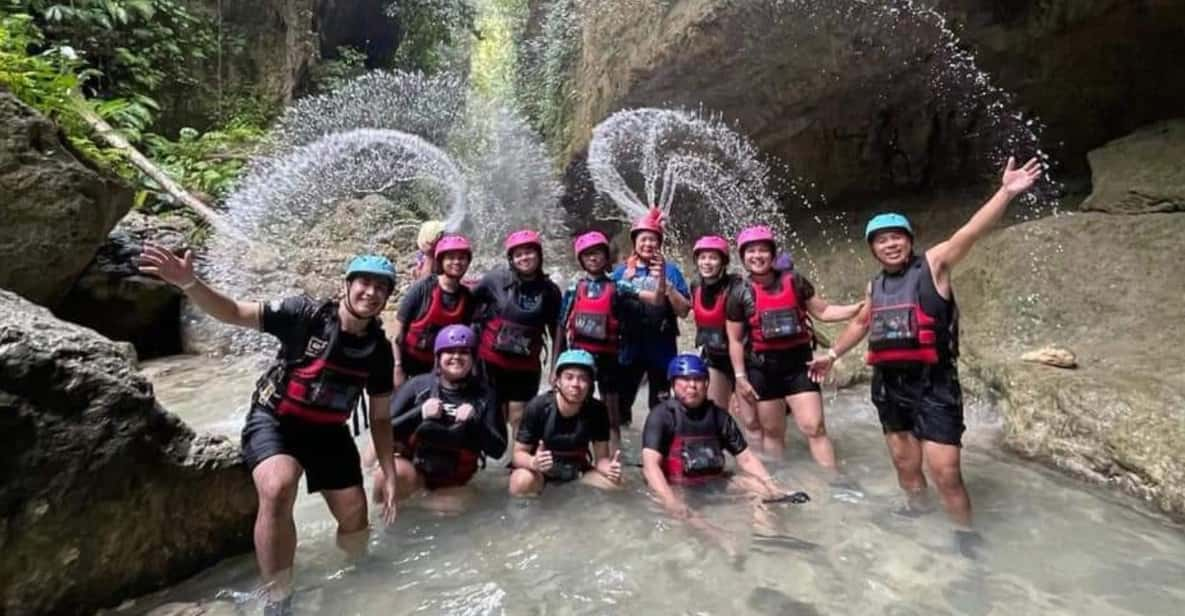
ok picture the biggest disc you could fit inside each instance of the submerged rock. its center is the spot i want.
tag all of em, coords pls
(1051, 356)
(1141, 173)
(103, 494)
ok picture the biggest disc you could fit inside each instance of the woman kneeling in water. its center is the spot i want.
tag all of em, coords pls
(558, 426)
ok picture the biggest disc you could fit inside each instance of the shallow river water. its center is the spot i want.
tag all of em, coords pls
(1053, 546)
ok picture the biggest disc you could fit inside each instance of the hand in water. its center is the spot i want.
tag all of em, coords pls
(465, 412)
(160, 262)
(542, 461)
(431, 409)
(389, 498)
(1017, 181)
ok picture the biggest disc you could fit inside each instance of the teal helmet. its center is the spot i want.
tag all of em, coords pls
(880, 222)
(575, 357)
(372, 265)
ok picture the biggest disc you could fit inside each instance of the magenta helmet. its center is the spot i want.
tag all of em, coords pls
(759, 233)
(524, 237)
(454, 337)
(453, 243)
(711, 242)
(592, 239)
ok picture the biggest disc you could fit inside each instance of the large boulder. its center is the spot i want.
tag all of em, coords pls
(55, 209)
(1109, 289)
(103, 495)
(1140, 173)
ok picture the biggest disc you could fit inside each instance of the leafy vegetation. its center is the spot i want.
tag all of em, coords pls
(437, 33)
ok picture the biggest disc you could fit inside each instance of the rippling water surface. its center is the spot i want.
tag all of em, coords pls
(1053, 545)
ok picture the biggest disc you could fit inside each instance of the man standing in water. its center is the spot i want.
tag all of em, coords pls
(912, 322)
(330, 352)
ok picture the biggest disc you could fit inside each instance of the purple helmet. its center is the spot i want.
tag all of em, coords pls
(454, 337)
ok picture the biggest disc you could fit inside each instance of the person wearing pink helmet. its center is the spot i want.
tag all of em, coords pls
(646, 353)
(516, 306)
(593, 312)
(771, 341)
(429, 305)
(709, 295)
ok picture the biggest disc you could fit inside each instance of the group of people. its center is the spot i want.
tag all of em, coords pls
(455, 378)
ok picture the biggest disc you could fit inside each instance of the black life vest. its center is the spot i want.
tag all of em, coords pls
(696, 454)
(568, 464)
(508, 340)
(441, 447)
(901, 331)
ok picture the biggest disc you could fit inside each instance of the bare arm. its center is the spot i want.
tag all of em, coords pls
(523, 456)
(679, 304)
(164, 264)
(857, 328)
(751, 464)
(652, 470)
(384, 447)
(1014, 182)
(736, 356)
(830, 313)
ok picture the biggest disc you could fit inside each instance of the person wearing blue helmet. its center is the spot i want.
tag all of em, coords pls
(331, 353)
(686, 436)
(564, 434)
(911, 320)
(446, 423)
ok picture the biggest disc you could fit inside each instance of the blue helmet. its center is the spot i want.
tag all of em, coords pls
(687, 366)
(575, 357)
(372, 265)
(880, 222)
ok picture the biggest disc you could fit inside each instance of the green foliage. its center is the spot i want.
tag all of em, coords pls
(331, 74)
(435, 31)
(209, 162)
(546, 63)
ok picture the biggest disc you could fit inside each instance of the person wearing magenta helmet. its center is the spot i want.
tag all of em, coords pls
(331, 352)
(709, 295)
(431, 304)
(446, 420)
(516, 306)
(771, 341)
(912, 324)
(646, 354)
(593, 313)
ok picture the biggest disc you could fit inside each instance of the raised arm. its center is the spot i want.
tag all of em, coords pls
(162, 263)
(1013, 182)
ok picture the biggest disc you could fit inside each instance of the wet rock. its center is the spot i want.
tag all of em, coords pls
(115, 299)
(1140, 173)
(1051, 356)
(104, 495)
(55, 209)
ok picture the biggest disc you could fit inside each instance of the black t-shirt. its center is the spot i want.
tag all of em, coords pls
(537, 300)
(486, 432)
(414, 303)
(590, 425)
(724, 284)
(289, 319)
(708, 418)
(742, 302)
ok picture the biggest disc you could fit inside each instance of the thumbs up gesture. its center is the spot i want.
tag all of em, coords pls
(614, 470)
(543, 461)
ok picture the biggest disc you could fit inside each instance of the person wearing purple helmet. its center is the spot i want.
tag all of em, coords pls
(446, 421)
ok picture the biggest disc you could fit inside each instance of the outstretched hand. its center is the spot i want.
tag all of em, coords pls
(818, 368)
(162, 263)
(1017, 181)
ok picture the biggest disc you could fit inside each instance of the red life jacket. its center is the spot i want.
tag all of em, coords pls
(695, 456)
(710, 321)
(507, 341)
(421, 333)
(305, 384)
(591, 324)
(778, 322)
(900, 331)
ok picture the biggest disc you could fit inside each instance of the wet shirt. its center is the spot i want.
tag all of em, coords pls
(290, 320)
(415, 302)
(590, 425)
(659, 432)
(536, 301)
(656, 341)
(485, 431)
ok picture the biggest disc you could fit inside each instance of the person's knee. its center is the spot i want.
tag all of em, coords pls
(351, 515)
(524, 482)
(277, 491)
(947, 478)
(813, 428)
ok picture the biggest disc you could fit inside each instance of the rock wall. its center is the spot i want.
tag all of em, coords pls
(846, 91)
(103, 495)
(55, 209)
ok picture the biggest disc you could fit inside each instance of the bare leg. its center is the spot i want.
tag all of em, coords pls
(906, 452)
(408, 481)
(719, 388)
(276, 480)
(595, 479)
(525, 482)
(771, 414)
(349, 509)
(808, 414)
(944, 463)
(612, 404)
(746, 416)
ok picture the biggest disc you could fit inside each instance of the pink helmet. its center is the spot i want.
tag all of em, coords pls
(711, 242)
(652, 221)
(524, 237)
(452, 243)
(592, 239)
(759, 233)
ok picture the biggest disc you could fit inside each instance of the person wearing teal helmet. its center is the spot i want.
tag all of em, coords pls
(331, 354)
(564, 433)
(911, 319)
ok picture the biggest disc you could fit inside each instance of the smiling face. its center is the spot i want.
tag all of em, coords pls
(892, 247)
(454, 263)
(593, 260)
(709, 263)
(758, 258)
(455, 364)
(647, 243)
(367, 294)
(526, 259)
(691, 392)
(574, 383)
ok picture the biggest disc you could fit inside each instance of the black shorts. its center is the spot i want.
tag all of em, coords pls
(925, 400)
(511, 385)
(327, 453)
(723, 364)
(777, 374)
(608, 373)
